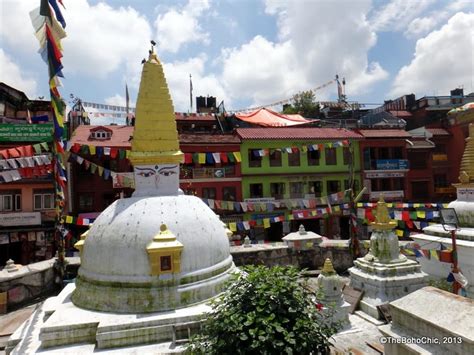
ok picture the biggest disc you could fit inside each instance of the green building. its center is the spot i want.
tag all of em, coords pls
(294, 165)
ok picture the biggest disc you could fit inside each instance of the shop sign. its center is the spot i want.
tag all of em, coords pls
(260, 200)
(383, 175)
(20, 219)
(387, 195)
(26, 132)
(392, 164)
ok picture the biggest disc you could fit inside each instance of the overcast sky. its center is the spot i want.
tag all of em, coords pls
(248, 52)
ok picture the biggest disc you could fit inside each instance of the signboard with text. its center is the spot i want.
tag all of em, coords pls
(383, 175)
(391, 164)
(26, 132)
(387, 195)
(20, 219)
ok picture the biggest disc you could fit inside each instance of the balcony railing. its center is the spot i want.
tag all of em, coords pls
(207, 173)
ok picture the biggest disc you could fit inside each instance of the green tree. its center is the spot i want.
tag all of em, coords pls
(265, 311)
(304, 104)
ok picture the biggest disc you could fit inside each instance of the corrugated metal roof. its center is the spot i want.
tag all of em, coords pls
(208, 138)
(297, 133)
(384, 133)
(438, 131)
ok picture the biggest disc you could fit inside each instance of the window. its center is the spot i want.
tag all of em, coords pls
(255, 160)
(440, 180)
(294, 158)
(191, 192)
(43, 199)
(313, 157)
(277, 190)
(209, 192)
(331, 158)
(418, 160)
(333, 186)
(229, 193)
(347, 156)
(86, 202)
(10, 200)
(296, 189)
(316, 188)
(256, 190)
(275, 157)
(397, 153)
(165, 263)
(399, 184)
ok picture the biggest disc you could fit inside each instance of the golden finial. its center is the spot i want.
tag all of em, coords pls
(382, 218)
(466, 175)
(328, 268)
(155, 138)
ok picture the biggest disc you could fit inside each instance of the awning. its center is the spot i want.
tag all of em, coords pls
(268, 118)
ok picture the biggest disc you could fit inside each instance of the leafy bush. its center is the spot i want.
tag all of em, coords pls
(265, 311)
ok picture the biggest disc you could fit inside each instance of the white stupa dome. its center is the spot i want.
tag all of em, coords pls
(115, 266)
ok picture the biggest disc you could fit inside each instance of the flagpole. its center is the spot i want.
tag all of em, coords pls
(456, 284)
(190, 93)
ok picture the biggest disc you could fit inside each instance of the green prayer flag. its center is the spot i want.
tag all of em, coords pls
(45, 146)
(37, 148)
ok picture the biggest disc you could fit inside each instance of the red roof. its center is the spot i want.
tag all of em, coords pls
(384, 133)
(297, 133)
(438, 131)
(120, 136)
(268, 118)
(208, 138)
(401, 114)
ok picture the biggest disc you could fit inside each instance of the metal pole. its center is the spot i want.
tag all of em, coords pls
(456, 285)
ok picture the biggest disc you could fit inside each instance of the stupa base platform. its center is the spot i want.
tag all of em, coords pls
(61, 327)
(385, 282)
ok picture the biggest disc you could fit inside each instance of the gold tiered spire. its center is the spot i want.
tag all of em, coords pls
(382, 218)
(155, 138)
(328, 268)
(466, 175)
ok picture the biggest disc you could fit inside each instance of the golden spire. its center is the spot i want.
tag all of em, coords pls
(382, 218)
(466, 175)
(328, 269)
(155, 138)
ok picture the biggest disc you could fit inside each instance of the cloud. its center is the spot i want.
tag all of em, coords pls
(12, 75)
(204, 83)
(423, 25)
(316, 40)
(397, 14)
(100, 39)
(443, 60)
(116, 100)
(176, 28)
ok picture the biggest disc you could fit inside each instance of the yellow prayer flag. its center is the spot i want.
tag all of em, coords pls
(202, 158)
(127, 153)
(101, 170)
(359, 204)
(291, 217)
(92, 149)
(238, 157)
(399, 232)
(417, 205)
(313, 213)
(421, 214)
(434, 254)
(309, 245)
(336, 208)
(233, 226)
(266, 223)
(68, 219)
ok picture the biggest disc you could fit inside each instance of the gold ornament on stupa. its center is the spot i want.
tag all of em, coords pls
(382, 218)
(466, 175)
(328, 268)
(155, 138)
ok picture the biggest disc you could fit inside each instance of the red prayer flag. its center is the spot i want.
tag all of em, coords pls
(405, 216)
(113, 153)
(4, 153)
(28, 151)
(224, 158)
(188, 158)
(13, 153)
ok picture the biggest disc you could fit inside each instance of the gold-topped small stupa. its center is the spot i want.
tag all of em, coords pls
(328, 268)
(155, 138)
(466, 175)
(382, 218)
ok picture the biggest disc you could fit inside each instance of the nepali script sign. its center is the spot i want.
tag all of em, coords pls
(20, 219)
(26, 132)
